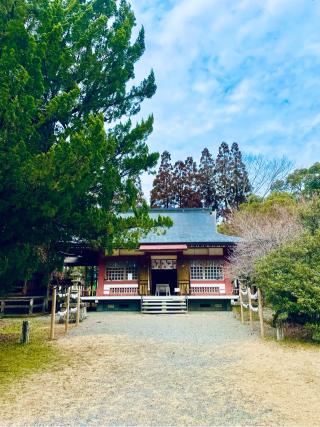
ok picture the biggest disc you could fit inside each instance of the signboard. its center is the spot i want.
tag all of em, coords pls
(163, 264)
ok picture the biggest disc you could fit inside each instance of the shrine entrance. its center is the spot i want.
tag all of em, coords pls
(163, 275)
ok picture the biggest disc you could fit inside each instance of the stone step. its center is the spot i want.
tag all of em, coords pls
(160, 299)
(161, 305)
(164, 303)
(163, 312)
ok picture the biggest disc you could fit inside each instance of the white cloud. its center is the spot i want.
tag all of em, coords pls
(233, 70)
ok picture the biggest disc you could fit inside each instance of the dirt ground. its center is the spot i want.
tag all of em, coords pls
(193, 369)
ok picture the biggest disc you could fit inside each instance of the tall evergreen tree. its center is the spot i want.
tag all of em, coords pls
(184, 179)
(193, 197)
(66, 169)
(240, 186)
(162, 192)
(179, 178)
(232, 179)
(206, 182)
(223, 179)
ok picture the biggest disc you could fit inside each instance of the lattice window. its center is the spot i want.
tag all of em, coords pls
(117, 271)
(206, 270)
(196, 270)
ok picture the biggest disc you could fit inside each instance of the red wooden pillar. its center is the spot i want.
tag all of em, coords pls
(101, 274)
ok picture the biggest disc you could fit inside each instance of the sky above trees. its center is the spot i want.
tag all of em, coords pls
(245, 71)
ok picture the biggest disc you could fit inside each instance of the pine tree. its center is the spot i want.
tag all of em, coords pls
(67, 166)
(206, 182)
(140, 195)
(162, 191)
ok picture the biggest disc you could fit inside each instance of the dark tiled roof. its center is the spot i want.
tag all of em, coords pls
(192, 225)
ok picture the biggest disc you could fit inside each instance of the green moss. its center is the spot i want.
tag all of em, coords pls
(17, 360)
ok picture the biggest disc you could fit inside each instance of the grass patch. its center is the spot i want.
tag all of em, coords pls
(17, 360)
(294, 337)
(237, 311)
(299, 343)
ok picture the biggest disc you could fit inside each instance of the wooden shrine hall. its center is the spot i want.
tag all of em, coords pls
(184, 267)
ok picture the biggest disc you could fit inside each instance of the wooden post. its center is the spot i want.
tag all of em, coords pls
(25, 332)
(53, 312)
(31, 306)
(3, 304)
(47, 298)
(25, 288)
(241, 301)
(66, 324)
(280, 330)
(249, 303)
(260, 313)
(78, 305)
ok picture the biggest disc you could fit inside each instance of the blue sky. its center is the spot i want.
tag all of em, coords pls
(238, 70)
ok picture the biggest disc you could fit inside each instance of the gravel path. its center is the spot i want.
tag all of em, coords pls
(192, 328)
(193, 369)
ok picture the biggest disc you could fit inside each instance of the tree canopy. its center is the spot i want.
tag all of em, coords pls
(290, 279)
(279, 252)
(207, 180)
(162, 192)
(69, 153)
(220, 184)
(301, 182)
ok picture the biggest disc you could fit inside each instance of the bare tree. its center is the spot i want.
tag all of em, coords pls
(263, 172)
(261, 233)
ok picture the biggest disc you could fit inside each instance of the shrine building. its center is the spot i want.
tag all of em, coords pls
(185, 267)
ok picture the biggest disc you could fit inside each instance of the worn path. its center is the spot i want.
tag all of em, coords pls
(193, 369)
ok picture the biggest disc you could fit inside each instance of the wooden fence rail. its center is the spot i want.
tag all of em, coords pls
(25, 304)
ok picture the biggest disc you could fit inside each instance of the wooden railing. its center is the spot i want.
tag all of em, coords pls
(123, 291)
(207, 289)
(25, 304)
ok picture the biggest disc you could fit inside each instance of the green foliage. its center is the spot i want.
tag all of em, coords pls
(310, 214)
(66, 170)
(301, 182)
(315, 330)
(290, 279)
(269, 204)
(257, 206)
